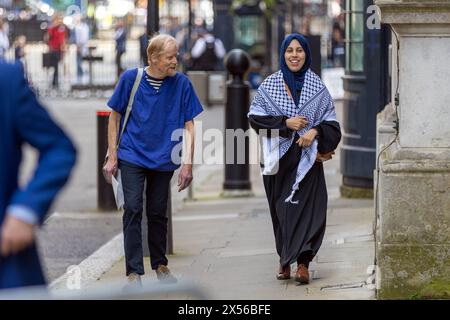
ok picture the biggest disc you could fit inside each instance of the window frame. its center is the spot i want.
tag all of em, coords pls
(350, 42)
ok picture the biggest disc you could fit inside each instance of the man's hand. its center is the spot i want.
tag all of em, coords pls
(296, 123)
(110, 167)
(15, 235)
(307, 139)
(185, 177)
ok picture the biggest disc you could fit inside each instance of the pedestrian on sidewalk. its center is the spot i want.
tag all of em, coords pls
(56, 38)
(24, 120)
(120, 36)
(19, 51)
(81, 39)
(4, 40)
(295, 102)
(207, 52)
(165, 101)
(143, 43)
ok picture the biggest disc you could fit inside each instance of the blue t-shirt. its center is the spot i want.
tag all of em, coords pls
(148, 140)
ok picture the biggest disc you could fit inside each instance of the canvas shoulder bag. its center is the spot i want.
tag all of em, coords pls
(127, 112)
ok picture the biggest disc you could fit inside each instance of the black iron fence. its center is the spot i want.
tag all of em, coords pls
(100, 72)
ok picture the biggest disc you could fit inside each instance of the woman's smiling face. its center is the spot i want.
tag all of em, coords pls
(295, 56)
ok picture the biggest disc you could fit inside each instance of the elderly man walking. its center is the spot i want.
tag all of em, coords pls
(164, 101)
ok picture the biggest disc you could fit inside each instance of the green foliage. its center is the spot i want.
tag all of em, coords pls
(415, 296)
(436, 289)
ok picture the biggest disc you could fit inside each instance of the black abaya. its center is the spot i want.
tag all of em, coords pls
(299, 228)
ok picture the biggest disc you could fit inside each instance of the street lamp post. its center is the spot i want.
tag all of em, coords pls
(152, 17)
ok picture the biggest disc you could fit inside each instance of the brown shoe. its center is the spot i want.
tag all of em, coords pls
(302, 274)
(284, 273)
(133, 283)
(163, 274)
(134, 278)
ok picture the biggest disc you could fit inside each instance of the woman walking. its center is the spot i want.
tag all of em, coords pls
(301, 131)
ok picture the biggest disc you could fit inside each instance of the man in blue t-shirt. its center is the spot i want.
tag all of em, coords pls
(165, 103)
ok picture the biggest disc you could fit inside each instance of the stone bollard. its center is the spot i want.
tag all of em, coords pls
(237, 177)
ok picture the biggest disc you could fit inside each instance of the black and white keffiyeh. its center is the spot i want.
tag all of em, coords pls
(315, 104)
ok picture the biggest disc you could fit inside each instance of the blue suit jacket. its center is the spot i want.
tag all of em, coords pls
(24, 120)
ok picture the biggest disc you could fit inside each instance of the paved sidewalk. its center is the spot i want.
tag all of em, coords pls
(226, 246)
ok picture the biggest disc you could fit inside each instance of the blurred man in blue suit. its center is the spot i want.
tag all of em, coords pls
(24, 120)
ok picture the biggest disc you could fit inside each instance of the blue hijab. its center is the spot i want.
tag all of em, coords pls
(295, 80)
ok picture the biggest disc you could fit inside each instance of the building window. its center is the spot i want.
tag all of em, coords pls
(248, 30)
(354, 34)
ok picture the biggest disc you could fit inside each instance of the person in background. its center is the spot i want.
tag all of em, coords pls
(143, 43)
(56, 39)
(305, 26)
(337, 46)
(121, 45)
(81, 38)
(24, 120)
(184, 45)
(19, 53)
(207, 52)
(19, 48)
(4, 41)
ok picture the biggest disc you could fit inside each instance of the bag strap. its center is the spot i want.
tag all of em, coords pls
(130, 101)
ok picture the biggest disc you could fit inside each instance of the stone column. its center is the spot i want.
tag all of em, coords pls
(413, 203)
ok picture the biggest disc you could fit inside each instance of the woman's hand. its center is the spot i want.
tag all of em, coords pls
(296, 123)
(321, 157)
(307, 139)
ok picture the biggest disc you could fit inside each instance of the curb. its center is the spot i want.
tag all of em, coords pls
(91, 268)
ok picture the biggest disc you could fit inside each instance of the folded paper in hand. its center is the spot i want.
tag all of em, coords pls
(118, 190)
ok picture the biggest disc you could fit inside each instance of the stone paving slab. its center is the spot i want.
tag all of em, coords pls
(235, 258)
